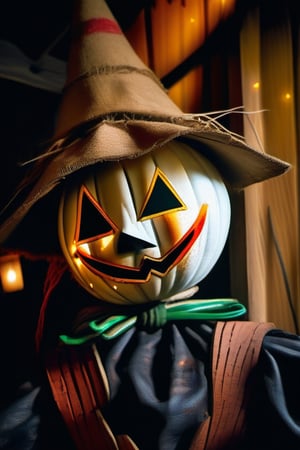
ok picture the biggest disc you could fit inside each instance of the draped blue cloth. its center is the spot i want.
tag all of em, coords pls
(160, 393)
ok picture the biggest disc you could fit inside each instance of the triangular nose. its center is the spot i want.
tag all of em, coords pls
(128, 244)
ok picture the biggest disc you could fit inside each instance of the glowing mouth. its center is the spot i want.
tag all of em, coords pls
(158, 266)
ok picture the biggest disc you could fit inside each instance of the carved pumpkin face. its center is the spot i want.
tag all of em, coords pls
(145, 229)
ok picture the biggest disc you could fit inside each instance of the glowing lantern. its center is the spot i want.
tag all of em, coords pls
(145, 229)
(11, 273)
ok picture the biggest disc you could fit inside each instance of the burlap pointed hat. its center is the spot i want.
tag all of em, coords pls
(113, 107)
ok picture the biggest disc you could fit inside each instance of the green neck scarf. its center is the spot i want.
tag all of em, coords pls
(149, 319)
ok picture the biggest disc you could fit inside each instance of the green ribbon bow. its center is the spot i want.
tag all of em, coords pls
(112, 326)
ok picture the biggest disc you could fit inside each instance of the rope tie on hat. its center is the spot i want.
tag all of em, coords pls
(111, 326)
(109, 70)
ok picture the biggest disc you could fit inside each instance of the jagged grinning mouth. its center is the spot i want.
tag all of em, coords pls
(158, 266)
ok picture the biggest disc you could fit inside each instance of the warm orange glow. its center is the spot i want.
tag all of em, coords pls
(178, 29)
(11, 273)
(178, 32)
(256, 85)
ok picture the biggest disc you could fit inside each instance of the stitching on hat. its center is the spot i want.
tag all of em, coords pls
(109, 70)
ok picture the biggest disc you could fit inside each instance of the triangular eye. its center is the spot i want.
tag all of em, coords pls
(161, 198)
(92, 220)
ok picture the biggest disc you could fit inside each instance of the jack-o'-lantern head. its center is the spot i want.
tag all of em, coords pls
(145, 229)
(154, 223)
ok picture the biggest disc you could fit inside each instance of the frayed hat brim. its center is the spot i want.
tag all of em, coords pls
(113, 139)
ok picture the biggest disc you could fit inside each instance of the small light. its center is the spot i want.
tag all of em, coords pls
(11, 273)
(192, 20)
(286, 97)
(256, 85)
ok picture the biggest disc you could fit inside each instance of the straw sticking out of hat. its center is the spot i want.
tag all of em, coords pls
(114, 107)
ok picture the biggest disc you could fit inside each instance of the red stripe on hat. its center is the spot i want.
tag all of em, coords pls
(100, 25)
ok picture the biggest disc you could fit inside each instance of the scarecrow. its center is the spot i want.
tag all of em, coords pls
(130, 358)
